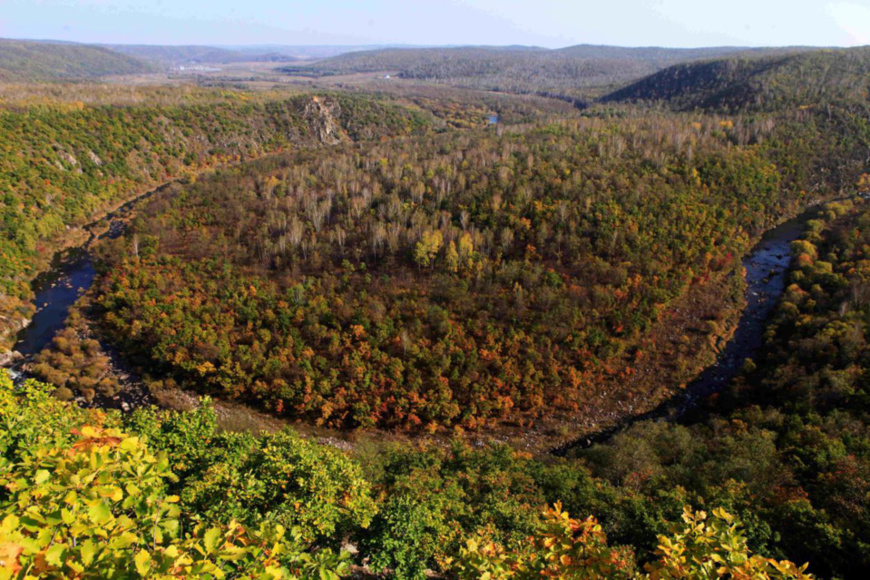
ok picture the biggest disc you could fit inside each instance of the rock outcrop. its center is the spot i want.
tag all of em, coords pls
(9, 358)
(321, 114)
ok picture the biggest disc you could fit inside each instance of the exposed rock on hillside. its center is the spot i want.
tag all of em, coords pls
(321, 114)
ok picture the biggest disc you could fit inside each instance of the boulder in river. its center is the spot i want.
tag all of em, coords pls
(9, 358)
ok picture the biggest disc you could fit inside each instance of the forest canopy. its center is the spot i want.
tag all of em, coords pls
(455, 280)
(435, 285)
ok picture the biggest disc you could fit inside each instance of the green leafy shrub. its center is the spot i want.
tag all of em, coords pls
(286, 479)
(95, 504)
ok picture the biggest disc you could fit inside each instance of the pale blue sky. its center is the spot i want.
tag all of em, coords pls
(552, 23)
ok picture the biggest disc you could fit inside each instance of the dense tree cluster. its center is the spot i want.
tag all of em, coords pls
(76, 363)
(453, 280)
(82, 498)
(61, 165)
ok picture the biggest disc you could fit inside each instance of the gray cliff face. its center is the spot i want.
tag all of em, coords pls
(321, 114)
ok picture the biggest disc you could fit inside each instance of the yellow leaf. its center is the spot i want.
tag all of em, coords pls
(143, 562)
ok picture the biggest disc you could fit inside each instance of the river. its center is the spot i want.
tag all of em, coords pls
(56, 290)
(71, 274)
(766, 269)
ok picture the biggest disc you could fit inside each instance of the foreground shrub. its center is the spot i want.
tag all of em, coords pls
(96, 505)
(577, 549)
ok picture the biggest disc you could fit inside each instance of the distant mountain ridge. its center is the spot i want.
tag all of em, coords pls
(520, 69)
(53, 60)
(193, 54)
(723, 78)
(26, 60)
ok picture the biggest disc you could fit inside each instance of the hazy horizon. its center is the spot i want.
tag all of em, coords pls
(376, 46)
(543, 23)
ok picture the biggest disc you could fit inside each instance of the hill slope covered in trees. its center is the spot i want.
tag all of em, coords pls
(191, 54)
(27, 61)
(429, 282)
(790, 437)
(464, 279)
(771, 83)
(516, 69)
(83, 160)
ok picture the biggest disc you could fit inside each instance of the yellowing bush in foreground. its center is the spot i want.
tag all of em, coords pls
(81, 497)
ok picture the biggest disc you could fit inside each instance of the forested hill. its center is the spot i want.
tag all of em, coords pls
(23, 61)
(661, 56)
(517, 69)
(178, 55)
(757, 84)
(85, 160)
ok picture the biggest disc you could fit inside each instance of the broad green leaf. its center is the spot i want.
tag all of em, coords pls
(54, 555)
(100, 513)
(10, 522)
(42, 476)
(210, 539)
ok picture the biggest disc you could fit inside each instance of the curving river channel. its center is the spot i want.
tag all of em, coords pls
(766, 268)
(71, 274)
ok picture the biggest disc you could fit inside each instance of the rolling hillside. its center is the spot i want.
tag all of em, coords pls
(516, 69)
(22, 60)
(180, 55)
(72, 173)
(413, 338)
(757, 84)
